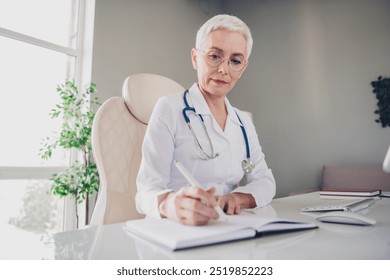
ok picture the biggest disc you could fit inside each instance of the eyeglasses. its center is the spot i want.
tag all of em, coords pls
(215, 58)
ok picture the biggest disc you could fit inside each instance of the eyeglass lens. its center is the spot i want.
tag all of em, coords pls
(236, 62)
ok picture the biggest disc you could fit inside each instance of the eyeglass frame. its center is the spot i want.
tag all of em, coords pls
(222, 60)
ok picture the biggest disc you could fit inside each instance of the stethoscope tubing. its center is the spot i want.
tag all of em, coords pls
(188, 108)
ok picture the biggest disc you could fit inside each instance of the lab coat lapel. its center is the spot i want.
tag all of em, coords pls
(201, 107)
(231, 122)
(198, 102)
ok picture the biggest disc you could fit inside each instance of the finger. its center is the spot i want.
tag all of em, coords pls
(221, 202)
(197, 207)
(210, 190)
(185, 200)
(231, 206)
(192, 218)
(199, 194)
(237, 210)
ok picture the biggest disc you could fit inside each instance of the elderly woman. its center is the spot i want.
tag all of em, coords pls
(214, 141)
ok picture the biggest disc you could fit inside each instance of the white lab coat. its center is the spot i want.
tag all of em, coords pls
(168, 138)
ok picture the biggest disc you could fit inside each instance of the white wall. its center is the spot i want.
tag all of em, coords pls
(307, 85)
(135, 36)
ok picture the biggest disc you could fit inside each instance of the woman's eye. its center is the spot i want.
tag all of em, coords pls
(236, 61)
(214, 57)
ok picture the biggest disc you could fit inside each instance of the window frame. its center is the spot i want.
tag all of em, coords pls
(83, 72)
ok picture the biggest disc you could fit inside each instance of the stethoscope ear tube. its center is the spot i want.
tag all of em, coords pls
(186, 118)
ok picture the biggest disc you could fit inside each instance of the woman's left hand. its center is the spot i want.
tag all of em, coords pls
(232, 203)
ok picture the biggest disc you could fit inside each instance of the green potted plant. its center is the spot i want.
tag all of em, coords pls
(81, 179)
(381, 88)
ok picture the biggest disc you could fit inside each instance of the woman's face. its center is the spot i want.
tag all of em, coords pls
(217, 81)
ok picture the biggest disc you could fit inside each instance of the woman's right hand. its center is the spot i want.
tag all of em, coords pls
(190, 206)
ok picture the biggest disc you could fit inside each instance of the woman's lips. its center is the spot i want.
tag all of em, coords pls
(220, 82)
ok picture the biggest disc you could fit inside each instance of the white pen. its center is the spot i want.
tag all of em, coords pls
(221, 215)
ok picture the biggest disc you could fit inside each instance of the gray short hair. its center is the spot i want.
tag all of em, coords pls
(226, 22)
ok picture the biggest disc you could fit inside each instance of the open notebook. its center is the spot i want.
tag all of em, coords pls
(176, 236)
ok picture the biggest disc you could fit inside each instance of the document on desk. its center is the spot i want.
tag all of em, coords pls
(176, 236)
(348, 192)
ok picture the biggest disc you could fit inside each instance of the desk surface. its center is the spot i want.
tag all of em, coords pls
(329, 241)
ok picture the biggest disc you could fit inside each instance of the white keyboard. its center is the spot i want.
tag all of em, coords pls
(350, 206)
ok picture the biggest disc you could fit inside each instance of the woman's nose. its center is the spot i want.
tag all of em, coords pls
(223, 67)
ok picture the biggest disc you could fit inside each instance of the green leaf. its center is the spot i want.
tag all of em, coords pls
(381, 88)
(74, 107)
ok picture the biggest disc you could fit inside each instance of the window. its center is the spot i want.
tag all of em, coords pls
(42, 43)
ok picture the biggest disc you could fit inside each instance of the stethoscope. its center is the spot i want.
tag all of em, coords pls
(247, 164)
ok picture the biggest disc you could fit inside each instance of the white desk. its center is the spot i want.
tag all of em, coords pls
(329, 241)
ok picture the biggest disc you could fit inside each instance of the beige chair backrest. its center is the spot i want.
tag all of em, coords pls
(117, 135)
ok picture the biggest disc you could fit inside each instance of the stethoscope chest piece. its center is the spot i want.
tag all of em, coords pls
(248, 165)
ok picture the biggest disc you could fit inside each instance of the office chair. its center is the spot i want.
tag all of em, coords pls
(355, 177)
(117, 134)
(349, 177)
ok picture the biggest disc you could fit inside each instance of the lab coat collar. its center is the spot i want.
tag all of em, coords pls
(232, 112)
(197, 100)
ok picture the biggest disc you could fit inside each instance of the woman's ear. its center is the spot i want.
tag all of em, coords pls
(194, 59)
